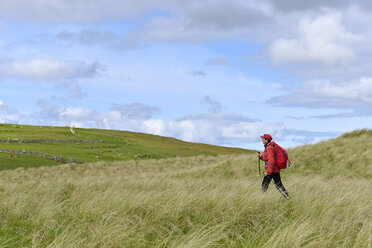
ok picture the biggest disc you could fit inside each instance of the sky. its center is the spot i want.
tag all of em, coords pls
(211, 71)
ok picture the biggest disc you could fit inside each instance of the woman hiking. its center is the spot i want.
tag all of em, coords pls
(272, 170)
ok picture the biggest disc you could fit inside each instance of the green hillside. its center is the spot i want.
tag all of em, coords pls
(89, 145)
(201, 201)
(349, 154)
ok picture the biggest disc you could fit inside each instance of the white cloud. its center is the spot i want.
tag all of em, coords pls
(161, 21)
(134, 111)
(251, 131)
(46, 69)
(76, 114)
(306, 137)
(75, 11)
(290, 5)
(195, 21)
(124, 117)
(9, 114)
(53, 114)
(74, 89)
(223, 15)
(88, 37)
(185, 130)
(91, 37)
(211, 13)
(322, 40)
(355, 94)
(221, 129)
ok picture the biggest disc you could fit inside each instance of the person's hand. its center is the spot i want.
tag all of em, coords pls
(259, 154)
(265, 173)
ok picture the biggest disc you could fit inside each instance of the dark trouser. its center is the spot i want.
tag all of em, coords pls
(278, 183)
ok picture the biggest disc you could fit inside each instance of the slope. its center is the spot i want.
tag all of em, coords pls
(42, 145)
(348, 154)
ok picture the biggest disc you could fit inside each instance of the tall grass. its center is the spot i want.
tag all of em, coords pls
(350, 155)
(181, 202)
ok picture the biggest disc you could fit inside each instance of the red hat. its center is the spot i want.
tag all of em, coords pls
(267, 136)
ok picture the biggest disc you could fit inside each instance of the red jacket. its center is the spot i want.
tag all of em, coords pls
(269, 156)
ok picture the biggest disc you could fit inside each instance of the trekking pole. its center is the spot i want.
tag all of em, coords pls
(259, 169)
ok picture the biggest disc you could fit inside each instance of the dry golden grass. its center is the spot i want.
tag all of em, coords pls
(191, 202)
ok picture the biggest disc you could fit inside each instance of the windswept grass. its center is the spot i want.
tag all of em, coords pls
(350, 155)
(202, 201)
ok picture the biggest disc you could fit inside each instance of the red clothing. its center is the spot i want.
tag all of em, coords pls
(269, 156)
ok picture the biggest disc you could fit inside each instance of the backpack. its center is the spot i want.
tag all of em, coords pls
(282, 157)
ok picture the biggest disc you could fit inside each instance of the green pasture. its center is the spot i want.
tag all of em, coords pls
(23, 160)
(116, 145)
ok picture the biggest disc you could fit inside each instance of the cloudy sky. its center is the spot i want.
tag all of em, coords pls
(212, 71)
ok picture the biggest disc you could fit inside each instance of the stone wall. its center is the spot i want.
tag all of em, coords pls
(48, 140)
(46, 155)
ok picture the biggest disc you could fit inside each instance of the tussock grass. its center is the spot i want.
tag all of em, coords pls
(350, 154)
(203, 201)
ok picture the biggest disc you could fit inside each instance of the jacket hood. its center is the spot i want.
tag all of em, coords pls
(272, 143)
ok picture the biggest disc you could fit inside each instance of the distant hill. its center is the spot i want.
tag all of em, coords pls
(34, 146)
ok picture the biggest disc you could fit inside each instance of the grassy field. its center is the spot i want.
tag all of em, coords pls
(202, 201)
(116, 145)
(7, 162)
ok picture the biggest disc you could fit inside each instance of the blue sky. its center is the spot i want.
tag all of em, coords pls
(217, 72)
